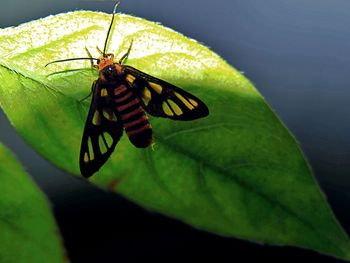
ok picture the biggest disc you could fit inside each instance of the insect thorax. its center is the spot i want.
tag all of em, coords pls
(111, 73)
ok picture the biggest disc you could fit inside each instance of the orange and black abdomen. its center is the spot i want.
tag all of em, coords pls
(133, 116)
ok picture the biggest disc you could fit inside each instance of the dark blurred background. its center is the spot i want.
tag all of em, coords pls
(295, 52)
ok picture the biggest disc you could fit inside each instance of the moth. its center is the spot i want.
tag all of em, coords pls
(121, 97)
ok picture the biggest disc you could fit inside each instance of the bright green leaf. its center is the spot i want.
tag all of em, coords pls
(238, 172)
(28, 232)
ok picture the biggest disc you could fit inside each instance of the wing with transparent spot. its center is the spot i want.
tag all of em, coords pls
(102, 132)
(162, 99)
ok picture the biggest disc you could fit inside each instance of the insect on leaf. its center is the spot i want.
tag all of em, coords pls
(238, 172)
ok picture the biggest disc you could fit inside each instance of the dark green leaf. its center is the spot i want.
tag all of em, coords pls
(28, 232)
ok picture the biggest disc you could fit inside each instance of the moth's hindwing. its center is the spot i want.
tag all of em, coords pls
(162, 99)
(102, 132)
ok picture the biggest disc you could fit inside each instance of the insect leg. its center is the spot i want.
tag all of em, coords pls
(91, 92)
(99, 50)
(125, 56)
(91, 59)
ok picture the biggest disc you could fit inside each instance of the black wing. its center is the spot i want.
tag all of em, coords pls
(102, 132)
(162, 99)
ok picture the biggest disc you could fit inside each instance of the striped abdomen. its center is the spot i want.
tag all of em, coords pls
(133, 116)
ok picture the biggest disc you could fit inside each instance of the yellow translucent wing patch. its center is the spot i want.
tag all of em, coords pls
(130, 78)
(102, 144)
(86, 158)
(91, 150)
(167, 109)
(193, 102)
(108, 138)
(109, 114)
(146, 95)
(96, 120)
(185, 101)
(156, 87)
(175, 108)
(104, 92)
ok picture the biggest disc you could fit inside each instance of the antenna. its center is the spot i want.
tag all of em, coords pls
(110, 27)
(69, 59)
